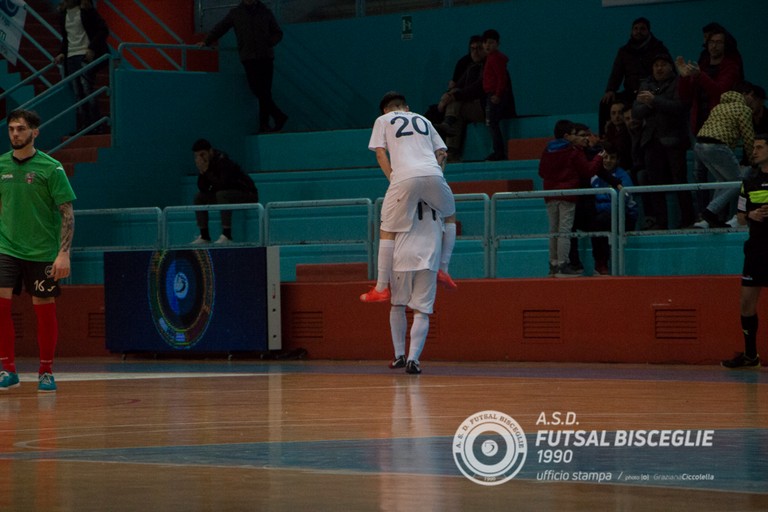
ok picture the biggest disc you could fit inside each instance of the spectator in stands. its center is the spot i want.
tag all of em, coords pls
(728, 123)
(499, 99)
(83, 39)
(221, 181)
(463, 103)
(753, 211)
(464, 63)
(257, 33)
(664, 140)
(436, 112)
(631, 65)
(719, 69)
(36, 229)
(416, 261)
(759, 117)
(617, 133)
(602, 218)
(411, 155)
(584, 140)
(561, 167)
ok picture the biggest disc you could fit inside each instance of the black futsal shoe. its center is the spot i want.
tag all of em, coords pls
(398, 362)
(412, 367)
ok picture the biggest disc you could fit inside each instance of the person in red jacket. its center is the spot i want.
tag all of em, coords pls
(498, 91)
(561, 167)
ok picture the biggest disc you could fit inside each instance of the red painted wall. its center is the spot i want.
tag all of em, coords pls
(178, 15)
(605, 319)
(692, 320)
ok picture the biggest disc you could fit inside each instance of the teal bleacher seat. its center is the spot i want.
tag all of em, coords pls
(666, 255)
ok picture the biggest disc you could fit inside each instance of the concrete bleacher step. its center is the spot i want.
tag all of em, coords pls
(347, 149)
(526, 149)
(83, 149)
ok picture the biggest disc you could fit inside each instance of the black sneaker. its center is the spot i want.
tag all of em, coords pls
(412, 367)
(398, 362)
(742, 361)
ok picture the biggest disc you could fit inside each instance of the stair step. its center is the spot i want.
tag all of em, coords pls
(90, 141)
(76, 155)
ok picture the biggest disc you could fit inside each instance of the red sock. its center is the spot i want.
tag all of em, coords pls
(7, 337)
(47, 334)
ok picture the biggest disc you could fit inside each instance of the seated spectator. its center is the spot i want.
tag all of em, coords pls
(602, 218)
(463, 103)
(436, 112)
(561, 167)
(221, 181)
(664, 141)
(499, 99)
(631, 65)
(728, 123)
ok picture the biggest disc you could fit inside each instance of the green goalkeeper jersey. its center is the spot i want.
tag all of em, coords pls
(30, 194)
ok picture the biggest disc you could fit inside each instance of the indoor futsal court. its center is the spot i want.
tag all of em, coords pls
(311, 435)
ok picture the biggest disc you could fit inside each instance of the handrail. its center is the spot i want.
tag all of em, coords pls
(153, 210)
(139, 31)
(68, 79)
(24, 82)
(500, 196)
(368, 241)
(42, 21)
(123, 47)
(168, 210)
(491, 229)
(622, 233)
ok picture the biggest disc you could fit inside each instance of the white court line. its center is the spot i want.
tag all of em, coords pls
(94, 376)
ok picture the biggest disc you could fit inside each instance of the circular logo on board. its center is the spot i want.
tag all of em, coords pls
(489, 448)
(181, 287)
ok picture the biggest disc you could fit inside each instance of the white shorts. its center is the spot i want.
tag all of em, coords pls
(402, 199)
(415, 289)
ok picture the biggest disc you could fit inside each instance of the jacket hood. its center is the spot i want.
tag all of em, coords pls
(557, 145)
(732, 97)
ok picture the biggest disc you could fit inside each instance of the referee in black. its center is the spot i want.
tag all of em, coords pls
(753, 210)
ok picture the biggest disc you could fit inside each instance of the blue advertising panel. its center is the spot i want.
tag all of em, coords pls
(220, 300)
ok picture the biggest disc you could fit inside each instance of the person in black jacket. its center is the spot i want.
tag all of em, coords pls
(257, 33)
(221, 181)
(83, 39)
(633, 63)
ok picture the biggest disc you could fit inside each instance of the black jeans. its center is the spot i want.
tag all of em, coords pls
(259, 73)
(667, 166)
(221, 197)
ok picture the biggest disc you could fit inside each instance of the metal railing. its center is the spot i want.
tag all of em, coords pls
(183, 48)
(492, 233)
(500, 197)
(170, 211)
(62, 84)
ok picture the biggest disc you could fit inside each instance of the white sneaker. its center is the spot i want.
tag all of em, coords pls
(702, 224)
(199, 241)
(734, 222)
(223, 240)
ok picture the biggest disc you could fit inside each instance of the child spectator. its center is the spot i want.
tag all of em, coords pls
(498, 92)
(602, 218)
(561, 167)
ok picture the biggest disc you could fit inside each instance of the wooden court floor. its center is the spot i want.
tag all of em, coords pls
(149, 435)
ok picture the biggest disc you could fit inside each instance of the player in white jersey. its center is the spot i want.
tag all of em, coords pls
(412, 155)
(415, 264)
